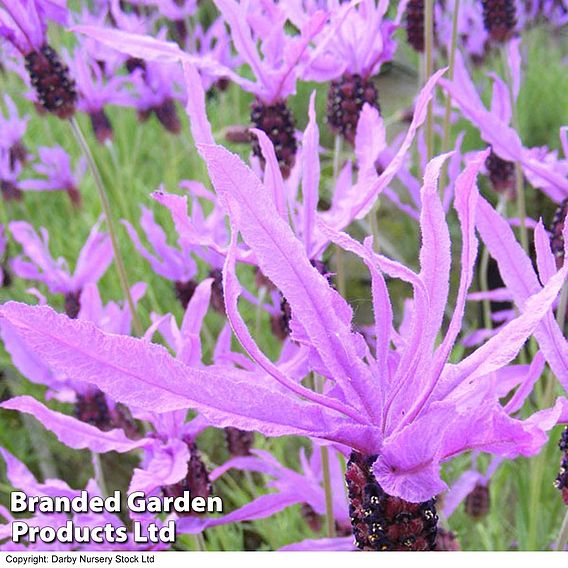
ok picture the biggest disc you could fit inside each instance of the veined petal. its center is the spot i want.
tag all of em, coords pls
(517, 271)
(146, 376)
(435, 253)
(282, 258)
(507, 342)
(167, 466)
(310, 176)
(72, 432)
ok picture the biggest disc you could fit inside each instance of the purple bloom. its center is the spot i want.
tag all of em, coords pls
(13, 128)
(214, 42)
(522, 281)
(9, 173)
(94, 259)
(291, 487)
(175, 264)
(96, 91)
(543, 169)
(356, 41)
(282, 57)
(55, 164)
(23, 23)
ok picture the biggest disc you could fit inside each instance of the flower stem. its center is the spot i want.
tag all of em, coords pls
(561, 309)
(110, 223)
(199, 542)
(563, 534)
(329, 516)
(374, 223)
(428, 68)
(99, 474)
(448, 108)
(330, 519)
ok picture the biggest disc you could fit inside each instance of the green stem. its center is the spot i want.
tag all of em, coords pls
(374, 222)
(561, 309)
(448, 108)
(428, 68)
(329, 516)
(110, 223)
(337, 155)
(37, 434)
(199, 542)
(99, 474)
(330, 519)
(563, 534)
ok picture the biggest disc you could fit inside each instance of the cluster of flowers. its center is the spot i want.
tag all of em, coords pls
(384, 405)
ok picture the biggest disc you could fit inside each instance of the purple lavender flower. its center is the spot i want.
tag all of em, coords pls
(96, 90)
(9, 173)
(471, 30)
(500, 18)
(93, 261)
(55, 164)
(157, 94)
(24, 24)
(175, 264)
(292, 487)
(13, 128)
(214, 42)
(516, 270)
(357, 41)
(543, 169)
(283, 61)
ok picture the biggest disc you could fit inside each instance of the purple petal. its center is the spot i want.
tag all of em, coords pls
(281, 257)
(145, 376)
(72, 432)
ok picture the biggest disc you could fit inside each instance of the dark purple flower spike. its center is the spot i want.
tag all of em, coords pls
(561, 481)
(557, 232)
(500, 19)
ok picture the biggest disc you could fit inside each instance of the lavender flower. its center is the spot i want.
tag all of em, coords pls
(291, 488)
(284, 58)
(544, 170)
(93, 261)
(55, 164)
(96, 91)
(357, 41)
(9, 173)
(13, 128)
(24, 24)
